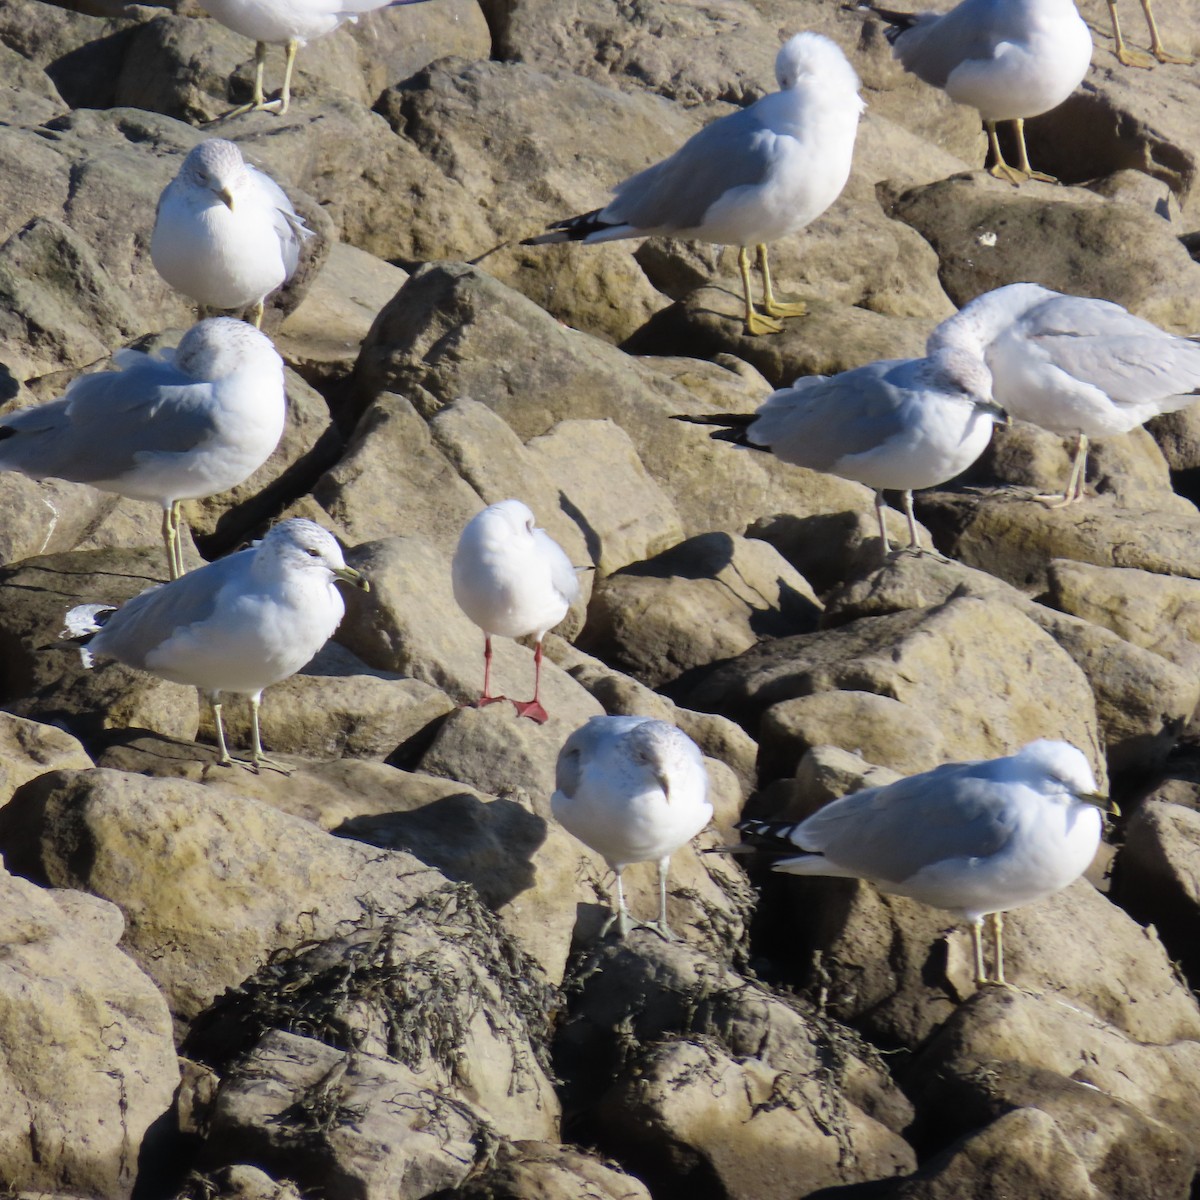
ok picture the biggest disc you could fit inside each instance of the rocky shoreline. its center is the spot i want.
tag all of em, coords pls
(380, 974)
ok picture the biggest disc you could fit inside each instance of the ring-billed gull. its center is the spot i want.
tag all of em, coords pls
(1010, 59)
(975, 838)
(225, 233)
(899, 424)
(291, 23)
(749, 178)
(1076, 366)
(194, 422)
(238, 624)
(1131, 58)
(634, 790)
(513, 579)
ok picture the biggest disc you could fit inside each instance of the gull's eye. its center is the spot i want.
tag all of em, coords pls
(313, 553)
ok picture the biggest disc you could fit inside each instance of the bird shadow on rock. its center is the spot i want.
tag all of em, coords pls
(489, 844)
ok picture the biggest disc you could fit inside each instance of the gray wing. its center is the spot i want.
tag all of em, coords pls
(562, 571)
(292, 231)
(891, 833)
(820, 420)
(676, 193)
(937, 43)
(106, 421)
(1130, 360)
(143, 624)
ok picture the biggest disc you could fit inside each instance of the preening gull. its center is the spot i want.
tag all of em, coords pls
(190, 423)
(1010, 59)
(1076, 366)
(899, 424)
(225, 233)
(749, 178)
(238, 624)
(975, 838)
(290, 23)
(634, 790)
(513, 579)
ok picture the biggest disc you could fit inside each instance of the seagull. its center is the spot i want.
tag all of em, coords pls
(1010, 59)
(193, 422)
(238, 624)
(749, 178)
(513, 579)
(897, 424)
(291, 23)
(1076, 366)
(1131, 58)
(975, 838)
(225, 234)
(634, 790)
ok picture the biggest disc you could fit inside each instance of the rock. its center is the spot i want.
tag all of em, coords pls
(927, 659)
(829, 338)
(1155, 876)
(704, 599)
(692, 1109)
(29, 749)
(369, 498)
(173, 855)
(324, 1118)
(1154, 611)
(889, 968)
(542, 1170)
(1142, 701)
(338, 707)
(988, 234)
(237, 1182)
(79, 1128)
(1016, 538)
(441, 989)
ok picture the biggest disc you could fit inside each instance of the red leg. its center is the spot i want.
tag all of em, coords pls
(533, 708)
(487, 697)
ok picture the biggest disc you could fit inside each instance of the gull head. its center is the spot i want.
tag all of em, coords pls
(222, 346)
(301, 547)
(1059, 770)
(215, 166)
(964, 374)
(812, 57)
(512, 516)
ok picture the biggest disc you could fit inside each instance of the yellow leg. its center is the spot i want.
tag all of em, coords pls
(168, 536)
(225, 760)
(1156, 47)
(771, 306)
(977, 940)
(1023, 157)
(885, 545)
(1127, 57)
(258, 759)
(999, 168)
(256, 312)
(286, 95)
(998, 937)
(258, 100)
(1076, 481)
(755, 324)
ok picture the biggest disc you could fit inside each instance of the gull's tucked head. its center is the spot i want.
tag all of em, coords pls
(221, 346)
(300, 546)
(808, 57)
(1055, 768)
(515, 516)
(215, 166)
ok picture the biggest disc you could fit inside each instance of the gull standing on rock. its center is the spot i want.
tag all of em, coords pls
(1010, 59)
(238, 624)
(1131, 58)
(897, 425)
(634, 790)
(1076, 366)
(225, 233)
(196, 421)
(513, 579)
(291, 23)
(975, 838)
(749, 178)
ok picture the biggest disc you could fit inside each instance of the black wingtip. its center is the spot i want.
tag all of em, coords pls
(570, 229)
(731, 427)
